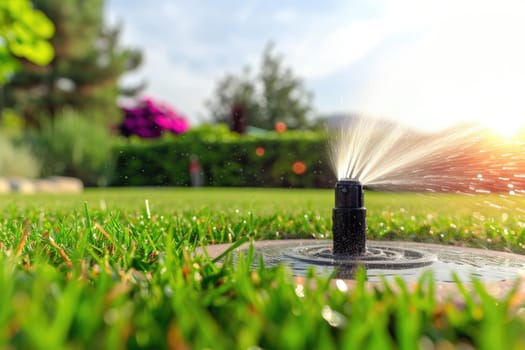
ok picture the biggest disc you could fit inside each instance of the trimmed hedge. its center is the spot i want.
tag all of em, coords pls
(227, 159)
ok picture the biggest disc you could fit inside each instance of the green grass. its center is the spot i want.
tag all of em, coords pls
(97, 270)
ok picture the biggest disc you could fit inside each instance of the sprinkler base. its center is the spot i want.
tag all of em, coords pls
(408, 260)
(376, 256)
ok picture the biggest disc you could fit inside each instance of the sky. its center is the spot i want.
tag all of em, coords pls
(424, 63)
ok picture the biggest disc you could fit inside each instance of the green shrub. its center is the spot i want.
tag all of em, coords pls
(11, 123)
(226, 159)
(72, 145)
(17, 160)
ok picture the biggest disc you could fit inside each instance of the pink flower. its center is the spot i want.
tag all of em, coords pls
(149, 119)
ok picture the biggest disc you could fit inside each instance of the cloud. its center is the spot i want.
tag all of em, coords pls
(465, 63)
(284, 16)
(178, 84)
(176, 66)
(428, 63)
(338, 47)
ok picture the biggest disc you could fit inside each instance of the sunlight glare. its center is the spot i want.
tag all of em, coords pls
(457, 69)
(504, 128)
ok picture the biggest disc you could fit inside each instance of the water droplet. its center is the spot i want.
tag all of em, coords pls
(334, 318)
(299, 290)
(341, 285)
(168, 291)
(197, 277)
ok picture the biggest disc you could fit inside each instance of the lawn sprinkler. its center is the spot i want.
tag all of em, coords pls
(368, 153)
(349, 219)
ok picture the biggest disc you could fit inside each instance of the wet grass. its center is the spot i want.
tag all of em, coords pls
(115, 269)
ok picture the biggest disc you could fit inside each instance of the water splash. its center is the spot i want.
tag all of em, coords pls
(468, 158)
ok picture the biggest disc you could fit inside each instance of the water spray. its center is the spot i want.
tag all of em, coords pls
(369, 152)
(349, 219)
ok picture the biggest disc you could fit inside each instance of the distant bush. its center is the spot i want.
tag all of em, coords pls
(11, 123)
(150, 119)
(17, 160)
(290, 159)
(71, 145)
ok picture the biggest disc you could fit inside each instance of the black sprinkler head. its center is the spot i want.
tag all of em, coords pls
(349, 219)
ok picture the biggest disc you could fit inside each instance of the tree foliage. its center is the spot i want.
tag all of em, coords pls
(24, 34)
(86, 68)
(274, 94)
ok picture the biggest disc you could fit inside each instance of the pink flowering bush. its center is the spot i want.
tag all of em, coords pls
(150, 119)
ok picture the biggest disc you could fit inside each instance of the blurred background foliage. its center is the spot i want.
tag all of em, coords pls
(84, 72)
(17, 160)
(274, 94)
(71, 145)
(64, 111)
(273, 159)
(24, 34)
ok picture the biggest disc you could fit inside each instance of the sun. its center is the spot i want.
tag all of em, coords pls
(505, 128)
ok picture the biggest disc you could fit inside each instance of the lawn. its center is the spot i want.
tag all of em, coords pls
(115, 269)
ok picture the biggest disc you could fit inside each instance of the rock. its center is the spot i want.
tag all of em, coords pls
(5, 186)
(22, 185)
(45, 185)
(64, 184)
(54, 184)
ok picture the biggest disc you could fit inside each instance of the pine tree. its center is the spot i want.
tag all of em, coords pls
(274, 95)
(85, 71)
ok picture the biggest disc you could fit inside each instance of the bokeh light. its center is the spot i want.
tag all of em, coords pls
(298, 167)
(280, 127)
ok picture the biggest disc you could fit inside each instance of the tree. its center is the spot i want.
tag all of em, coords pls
(85, 71)
(24, 33)
(274, 95)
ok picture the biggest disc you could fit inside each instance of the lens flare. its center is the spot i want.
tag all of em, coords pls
(504, 128)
